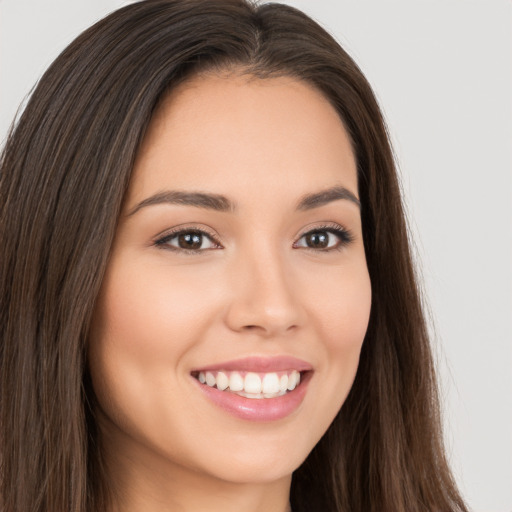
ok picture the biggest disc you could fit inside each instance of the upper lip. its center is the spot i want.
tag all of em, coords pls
(260, 364)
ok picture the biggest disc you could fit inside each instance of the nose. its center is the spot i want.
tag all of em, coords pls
(264, 298)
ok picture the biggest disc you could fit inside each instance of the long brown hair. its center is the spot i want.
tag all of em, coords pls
(63, 175)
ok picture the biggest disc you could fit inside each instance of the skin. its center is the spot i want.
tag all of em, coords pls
(256, 290)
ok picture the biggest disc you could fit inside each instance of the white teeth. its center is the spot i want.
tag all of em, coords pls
(283, 383)
(210, 379)
(236, 383)
(222, 381)
(293, 380)
(270, 383)
(252, 383)
(261, 395)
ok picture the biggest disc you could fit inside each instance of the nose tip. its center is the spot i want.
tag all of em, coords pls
(267, 322)
(260, 318)
(264, 301)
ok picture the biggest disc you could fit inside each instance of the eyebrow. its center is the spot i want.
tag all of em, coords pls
(198, 199)
(221, 203)
(310, 201)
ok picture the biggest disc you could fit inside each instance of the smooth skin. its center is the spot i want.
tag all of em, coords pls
(252, 285)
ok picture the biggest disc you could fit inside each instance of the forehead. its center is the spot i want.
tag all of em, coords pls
(227, 134)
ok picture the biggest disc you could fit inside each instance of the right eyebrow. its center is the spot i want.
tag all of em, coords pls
(198, 199)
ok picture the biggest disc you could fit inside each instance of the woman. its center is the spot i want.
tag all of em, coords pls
(207, 296)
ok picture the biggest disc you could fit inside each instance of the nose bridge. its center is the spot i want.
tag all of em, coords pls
(263, 297)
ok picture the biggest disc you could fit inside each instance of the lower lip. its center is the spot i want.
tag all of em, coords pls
(258, 409)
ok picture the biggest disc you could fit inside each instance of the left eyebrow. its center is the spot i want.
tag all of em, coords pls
(317, 199)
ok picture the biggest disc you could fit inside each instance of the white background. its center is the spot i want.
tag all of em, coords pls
(442, 70)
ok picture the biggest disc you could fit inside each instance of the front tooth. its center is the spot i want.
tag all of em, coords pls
(252, 383)
(270, 383)
(222, 381)
(236, 383)
(292, 381)
(210, 379)
(283, 382)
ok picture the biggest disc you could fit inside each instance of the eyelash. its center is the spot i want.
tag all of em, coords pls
(344, 235)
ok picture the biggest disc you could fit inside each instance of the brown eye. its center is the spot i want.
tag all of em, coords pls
(188, 241)
(317, 240)
(325, 239)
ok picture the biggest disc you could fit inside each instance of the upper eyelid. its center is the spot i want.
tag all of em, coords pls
(325, 226)
(177, 230)
(186, 229)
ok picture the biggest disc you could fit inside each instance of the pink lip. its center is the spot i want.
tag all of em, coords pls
(258, 409)
(260, 364)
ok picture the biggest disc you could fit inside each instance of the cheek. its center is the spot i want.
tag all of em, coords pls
(342, 303)
(341, 319)
(148, 312)
(144, 324)
(348, 313)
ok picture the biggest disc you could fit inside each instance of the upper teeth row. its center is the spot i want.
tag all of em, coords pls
(267, 383)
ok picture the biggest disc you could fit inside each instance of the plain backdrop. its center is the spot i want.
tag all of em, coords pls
(442, 70)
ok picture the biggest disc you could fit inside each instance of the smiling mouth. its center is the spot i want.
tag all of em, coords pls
(251, 384)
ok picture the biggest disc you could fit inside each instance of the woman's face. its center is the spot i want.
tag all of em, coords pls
(238, 260)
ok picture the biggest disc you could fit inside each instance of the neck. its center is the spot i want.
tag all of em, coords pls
(190, 493)
(193, 494)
